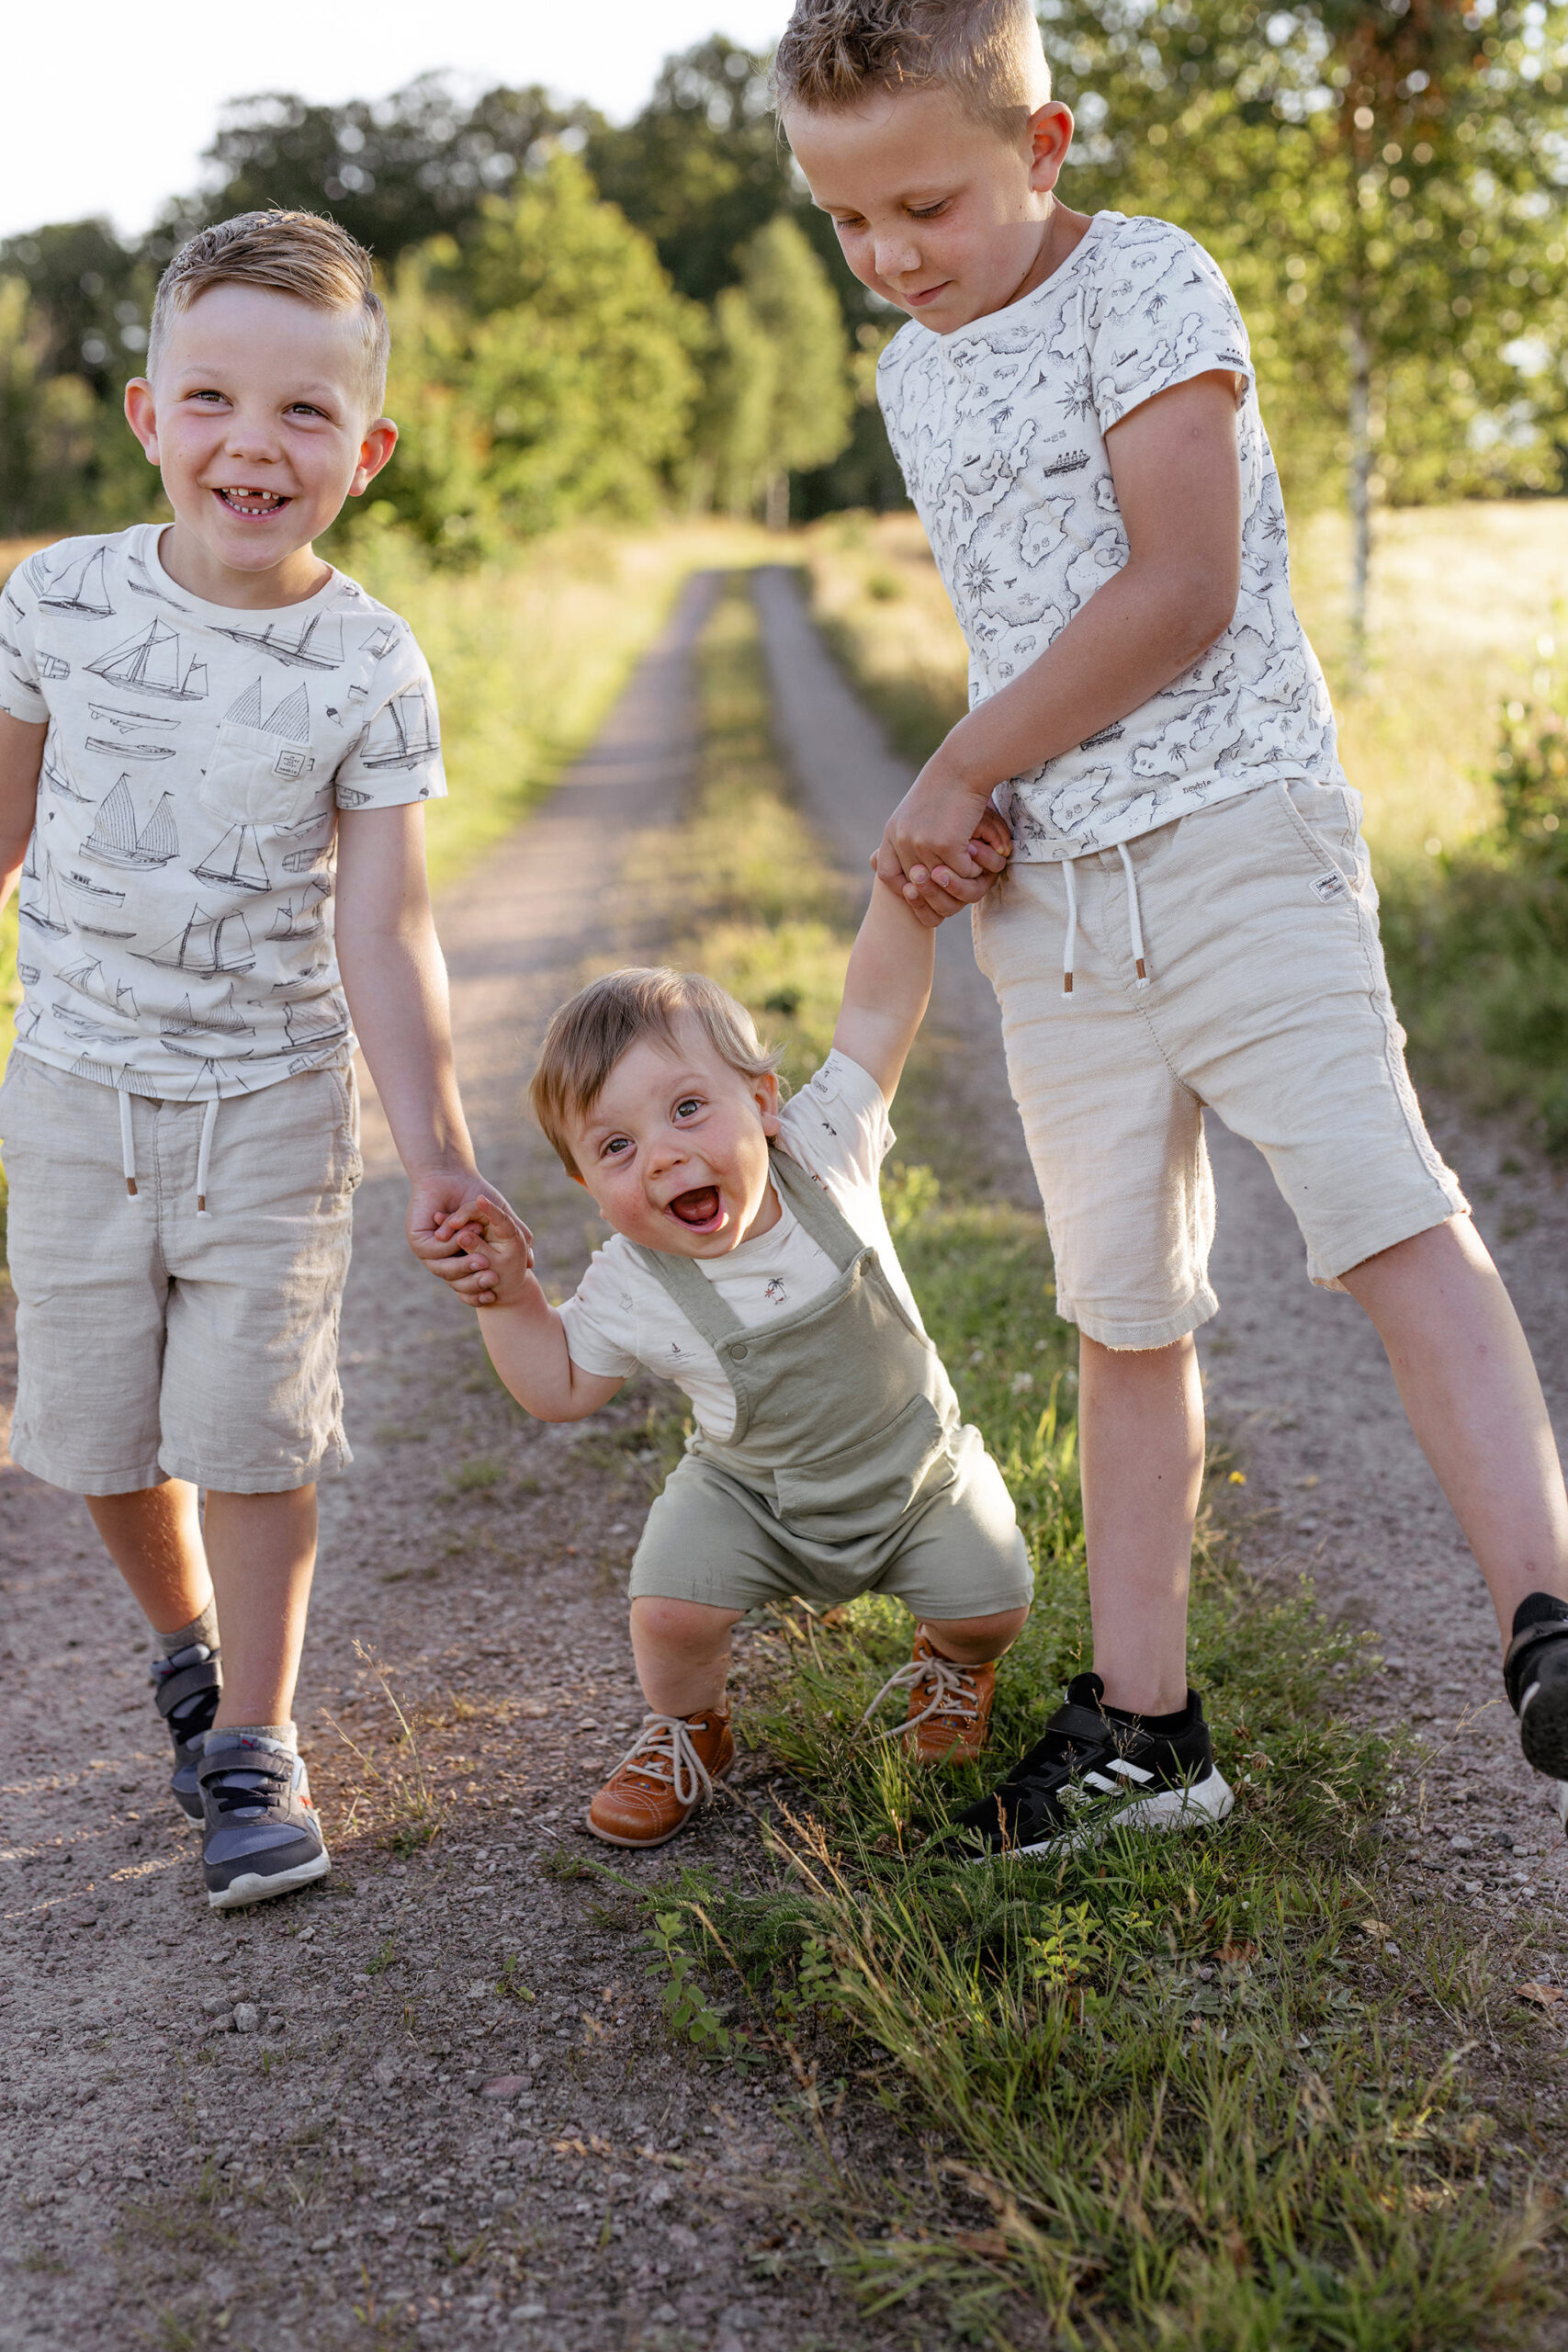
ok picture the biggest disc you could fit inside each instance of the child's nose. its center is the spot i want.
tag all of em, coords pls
(897, 260)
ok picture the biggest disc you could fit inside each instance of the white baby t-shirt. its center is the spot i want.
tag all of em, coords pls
(1000, 429)
(621, 1317)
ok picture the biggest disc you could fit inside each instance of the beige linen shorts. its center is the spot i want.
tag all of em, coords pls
(1266, 1001)
(154, 1343)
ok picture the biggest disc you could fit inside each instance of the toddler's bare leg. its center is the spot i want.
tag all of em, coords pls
(1141, 1444)
(1467, 1381)
(153, 1537)
(262, 1553)
(682, 1648)
(976, 1641)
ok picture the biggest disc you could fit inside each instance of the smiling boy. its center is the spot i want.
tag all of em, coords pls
(749, 1262)
(1188, 920)
(214, 753)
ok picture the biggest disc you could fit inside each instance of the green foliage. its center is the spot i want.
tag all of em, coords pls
(1477, 938)
(777, 399)
(688, 2012)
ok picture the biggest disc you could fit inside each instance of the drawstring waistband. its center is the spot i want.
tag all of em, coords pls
(204, 1152)
(1134, 920)
(126, 1143)
(203, 1149)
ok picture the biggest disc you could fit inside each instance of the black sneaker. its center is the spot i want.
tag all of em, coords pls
(1535, 1673)
(188, 1687)
(1091, 1771)
(263, 1838)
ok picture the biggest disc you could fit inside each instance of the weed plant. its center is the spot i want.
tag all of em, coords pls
(1169, 2087)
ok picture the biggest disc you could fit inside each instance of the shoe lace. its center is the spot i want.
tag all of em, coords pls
(251, 1785)
(952, 1687)
(665, 1751)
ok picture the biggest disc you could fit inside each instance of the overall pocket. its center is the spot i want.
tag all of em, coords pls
(866, 1489)
(256, 779)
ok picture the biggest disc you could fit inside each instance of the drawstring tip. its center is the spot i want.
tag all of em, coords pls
(1142, 976)
(131, 1186)
(1067, 983)
(201, 1204)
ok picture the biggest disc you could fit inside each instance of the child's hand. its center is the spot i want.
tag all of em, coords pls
(483, 1250)
(933, 894)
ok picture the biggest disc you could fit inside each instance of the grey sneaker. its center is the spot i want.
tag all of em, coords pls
(263, 1838)
(188, 1687)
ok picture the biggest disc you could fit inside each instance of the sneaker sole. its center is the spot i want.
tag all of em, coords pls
(1207, 1802)
(1543, 1713)
(253, 1887)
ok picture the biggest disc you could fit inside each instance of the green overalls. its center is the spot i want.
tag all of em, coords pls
(849, 1468)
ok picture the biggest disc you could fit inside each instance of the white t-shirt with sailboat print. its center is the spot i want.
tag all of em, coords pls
(176, 913)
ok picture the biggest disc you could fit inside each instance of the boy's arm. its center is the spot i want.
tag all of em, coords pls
(395, 979)
(21, 756)
(1177, 479)
(886, 988)
(525, 1334)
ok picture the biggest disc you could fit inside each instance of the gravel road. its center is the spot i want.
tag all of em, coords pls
(434, 2101)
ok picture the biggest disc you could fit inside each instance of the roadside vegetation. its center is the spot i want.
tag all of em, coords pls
(1458, 745)
(1199, 2092)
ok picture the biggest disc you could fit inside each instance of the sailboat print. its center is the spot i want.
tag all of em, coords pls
(291, 922)
(208, 945)
(317, 645)
(78, 587)
(125, 724)
(311, 1026)
(152, 664)
(45, 915)
(139, 581)
(380, 642)
(236, 862)
(86, 977)
(55, 777)
(402, 732)
(82, 886)
(49, 666)
(225, 1020)
(114, 836)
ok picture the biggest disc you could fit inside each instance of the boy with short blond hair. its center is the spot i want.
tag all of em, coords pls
(214, 749)
(749, 1262)
(1072, 406)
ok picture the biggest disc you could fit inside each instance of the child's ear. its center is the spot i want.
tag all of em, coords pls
(765, 1094)
(142, 416)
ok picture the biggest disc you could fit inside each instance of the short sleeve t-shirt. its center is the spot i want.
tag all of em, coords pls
(621, 1317)
(1000, 429)
(176, 911)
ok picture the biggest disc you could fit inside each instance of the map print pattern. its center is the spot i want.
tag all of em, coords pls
(175, 931)
(999, 430)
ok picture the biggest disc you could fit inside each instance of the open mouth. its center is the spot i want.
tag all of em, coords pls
(698, 1209)
(256, 504)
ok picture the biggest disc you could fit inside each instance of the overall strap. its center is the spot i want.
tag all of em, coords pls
(817, 1209)
(708, 1314)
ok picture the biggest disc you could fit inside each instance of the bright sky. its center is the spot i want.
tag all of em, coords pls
(110, 106)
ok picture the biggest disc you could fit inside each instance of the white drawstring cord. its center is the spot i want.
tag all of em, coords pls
(204, 1155)
(1134, 913)
(1069, 949)
(126, 1143)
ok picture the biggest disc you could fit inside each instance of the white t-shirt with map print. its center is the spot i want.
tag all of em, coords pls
(1000, 429)
(176, 913)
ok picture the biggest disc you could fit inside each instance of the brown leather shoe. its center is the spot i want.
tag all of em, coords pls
(949, 1713)
(662, 1779)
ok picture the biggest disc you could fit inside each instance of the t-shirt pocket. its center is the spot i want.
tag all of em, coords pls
(256, 779)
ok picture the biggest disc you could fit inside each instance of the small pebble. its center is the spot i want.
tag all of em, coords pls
(247, 2018)
(216, 2005)
(1461, 1846)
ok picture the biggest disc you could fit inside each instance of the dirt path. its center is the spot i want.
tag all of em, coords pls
(341, 2175)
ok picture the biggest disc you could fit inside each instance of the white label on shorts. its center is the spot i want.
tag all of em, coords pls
(1328, 886)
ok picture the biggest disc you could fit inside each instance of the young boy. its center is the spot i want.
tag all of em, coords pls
(750, 1264)
(1072, 406)
(233, 742)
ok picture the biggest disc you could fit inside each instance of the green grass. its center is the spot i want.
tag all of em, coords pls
(1155, 2093)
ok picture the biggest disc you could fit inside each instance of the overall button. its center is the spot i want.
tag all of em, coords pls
(739, 1351)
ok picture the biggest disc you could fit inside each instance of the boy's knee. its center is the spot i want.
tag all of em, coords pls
(684, 1624)
(976, 1641)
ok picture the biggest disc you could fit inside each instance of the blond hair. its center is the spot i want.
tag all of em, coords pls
(589, 1035)
(987, 53)
(303, 255)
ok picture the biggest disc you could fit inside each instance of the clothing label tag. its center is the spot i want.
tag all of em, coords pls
(1329, 886)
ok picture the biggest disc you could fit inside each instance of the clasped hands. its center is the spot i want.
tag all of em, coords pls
(943, 845)
(480, 1247)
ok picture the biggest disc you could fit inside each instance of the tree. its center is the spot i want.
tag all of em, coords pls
(395, 171)
(546, 367)
(1381, 184)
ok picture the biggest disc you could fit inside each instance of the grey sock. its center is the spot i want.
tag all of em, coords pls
(203, 1627)
(281, 1735)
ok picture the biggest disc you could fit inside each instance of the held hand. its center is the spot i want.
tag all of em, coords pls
(495, 1252)
(448, 1222)
(934, 893)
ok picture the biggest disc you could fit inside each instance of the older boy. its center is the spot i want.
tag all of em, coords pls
(234, 742)
(1073, 407)
(749, 1262)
